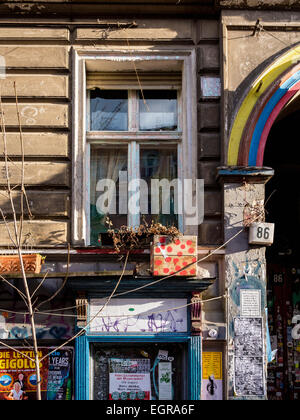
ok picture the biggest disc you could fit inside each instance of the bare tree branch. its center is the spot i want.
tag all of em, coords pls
(16, 350)
(15, 288)
(61, 287)
(41, 283)
(7, 228)
(23, 166)
(18, 239)
(95, 316)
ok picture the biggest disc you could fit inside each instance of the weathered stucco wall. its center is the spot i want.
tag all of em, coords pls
(81, 8)
(245, 266)
(258, 4)
(39, 60)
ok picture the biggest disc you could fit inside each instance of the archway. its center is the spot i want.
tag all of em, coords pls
(260, 107)
(265, 134)
(283, 258)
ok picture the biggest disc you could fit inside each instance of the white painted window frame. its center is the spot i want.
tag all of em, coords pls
(187, 148)
(135, 139)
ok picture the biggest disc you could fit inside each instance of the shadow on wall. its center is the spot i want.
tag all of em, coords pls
(48, 198)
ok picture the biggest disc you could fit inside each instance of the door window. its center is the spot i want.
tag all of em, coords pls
(139, 371)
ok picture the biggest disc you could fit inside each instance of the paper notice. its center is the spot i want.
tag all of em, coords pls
(250, 303)
(165, 380)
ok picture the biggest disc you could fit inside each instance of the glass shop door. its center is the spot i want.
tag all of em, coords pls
(138, 371)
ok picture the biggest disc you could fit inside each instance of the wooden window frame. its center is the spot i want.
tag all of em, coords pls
(185, 138)
(135, 139)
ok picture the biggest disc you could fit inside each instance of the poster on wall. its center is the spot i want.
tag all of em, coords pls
(59, 386)
(165, 381)
(212, 377)
(250, 303)
(129, 379)
(18, 376)
(249, 357)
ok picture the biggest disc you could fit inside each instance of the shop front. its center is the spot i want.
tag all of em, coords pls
(139, 349)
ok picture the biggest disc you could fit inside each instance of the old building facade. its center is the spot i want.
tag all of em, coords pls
(222, 78)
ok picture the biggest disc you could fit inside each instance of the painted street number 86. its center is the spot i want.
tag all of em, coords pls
(278, 278)
(263, 232)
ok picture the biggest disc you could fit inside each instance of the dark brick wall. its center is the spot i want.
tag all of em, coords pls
(209, 136)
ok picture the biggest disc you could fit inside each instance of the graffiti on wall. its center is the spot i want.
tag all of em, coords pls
(139, 315)
(48, 326)
(296, 328)
(248, 275)
(168, 322)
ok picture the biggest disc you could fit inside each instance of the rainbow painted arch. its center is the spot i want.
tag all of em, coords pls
(271, 91)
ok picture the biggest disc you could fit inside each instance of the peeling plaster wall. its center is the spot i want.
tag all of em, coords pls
(258, 3)
(39, 58)
(245, 266)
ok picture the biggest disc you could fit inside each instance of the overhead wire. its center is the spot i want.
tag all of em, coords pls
(260, 27)
(51, 312)
(83, 330)
(195, 301)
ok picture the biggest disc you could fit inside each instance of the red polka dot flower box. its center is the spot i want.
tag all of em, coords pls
(176, 256)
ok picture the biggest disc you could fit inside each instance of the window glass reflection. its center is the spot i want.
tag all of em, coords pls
(109, 110)
(158, 110)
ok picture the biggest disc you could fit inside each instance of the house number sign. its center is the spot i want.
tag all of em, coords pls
(261, 234)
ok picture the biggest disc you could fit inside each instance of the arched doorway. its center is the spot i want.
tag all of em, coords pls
(282, 153)
(265, 134)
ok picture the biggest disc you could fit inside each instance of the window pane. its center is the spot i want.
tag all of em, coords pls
(138, 358)
(160, 164)
(109, 110)
(105, 167)
(158, 110)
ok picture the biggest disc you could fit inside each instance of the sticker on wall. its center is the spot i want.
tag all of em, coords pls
(163, 355)
(165, 381)
(210, 87)
(212, 383)
(4, 333)
(296, 329)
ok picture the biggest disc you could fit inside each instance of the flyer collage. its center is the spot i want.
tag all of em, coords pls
(18, 379)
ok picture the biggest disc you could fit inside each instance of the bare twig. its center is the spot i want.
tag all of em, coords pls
(23, 165)
(61, 287)
(81, 332)
(16, 350)
(7, 228)
(17, 243)
(15, 288)
(40, 284)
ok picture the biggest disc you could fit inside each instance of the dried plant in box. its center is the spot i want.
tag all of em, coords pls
(127, 238)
